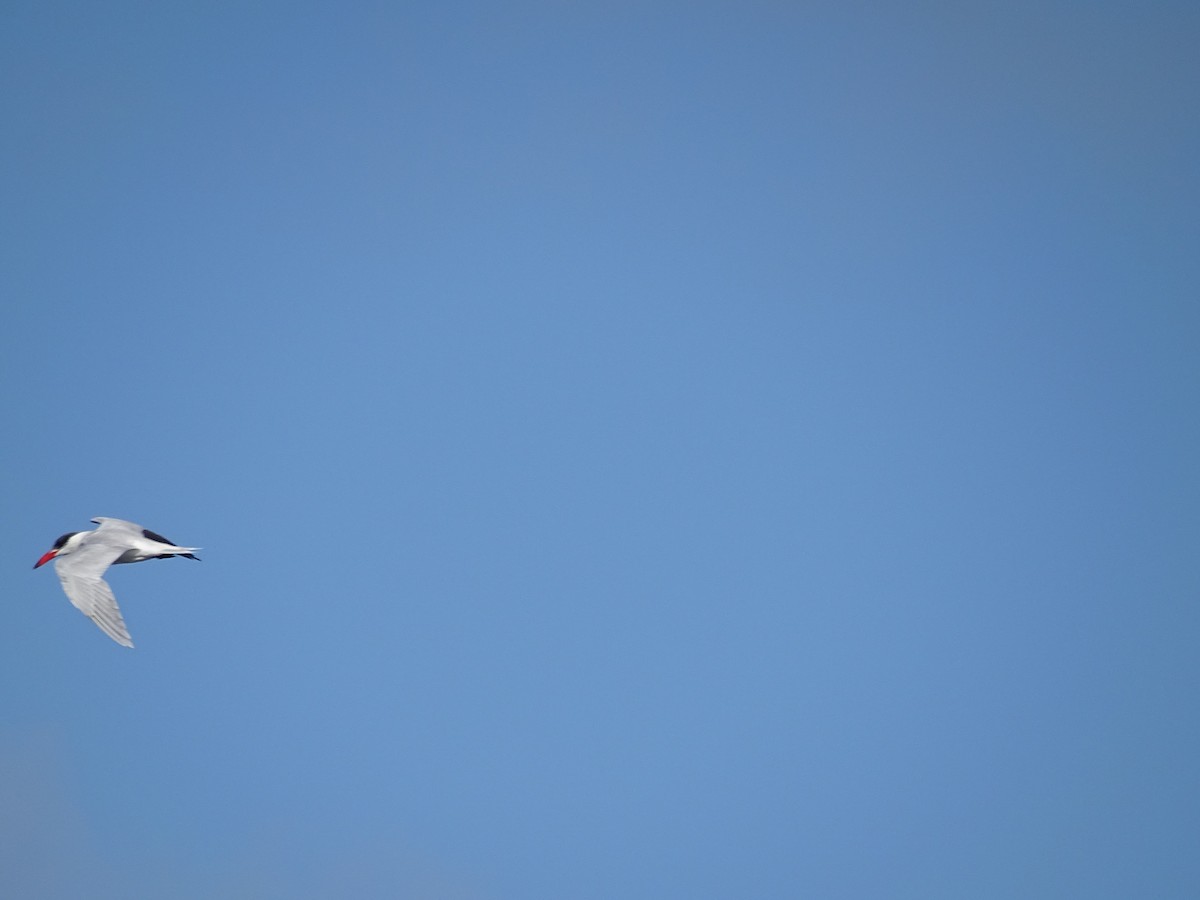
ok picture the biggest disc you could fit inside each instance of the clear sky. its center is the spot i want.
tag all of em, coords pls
(649, 450)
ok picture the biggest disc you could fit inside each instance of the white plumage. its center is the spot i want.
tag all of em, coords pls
(82, 557)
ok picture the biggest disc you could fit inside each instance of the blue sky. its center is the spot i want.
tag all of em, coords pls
(640, 450)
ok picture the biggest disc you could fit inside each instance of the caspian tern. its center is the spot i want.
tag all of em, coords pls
(81, 557)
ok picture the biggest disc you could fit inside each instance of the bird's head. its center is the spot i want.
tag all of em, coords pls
(62, 547)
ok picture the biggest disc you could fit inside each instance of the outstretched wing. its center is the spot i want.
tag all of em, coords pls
(94, 598)
(116, 526)
(81, 576)
(131, 535)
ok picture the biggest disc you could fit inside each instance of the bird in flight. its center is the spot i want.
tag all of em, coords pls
(81, 558)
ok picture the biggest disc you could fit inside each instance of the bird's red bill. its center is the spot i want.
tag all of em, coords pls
(50, 554)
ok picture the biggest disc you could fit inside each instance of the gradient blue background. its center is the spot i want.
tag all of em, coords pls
(706, 450)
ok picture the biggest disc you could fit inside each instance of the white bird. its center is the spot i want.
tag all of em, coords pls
(81, 558)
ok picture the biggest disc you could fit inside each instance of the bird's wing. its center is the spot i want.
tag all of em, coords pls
(80, 574)
(130, 535)
(94, 598)
(116, 526)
